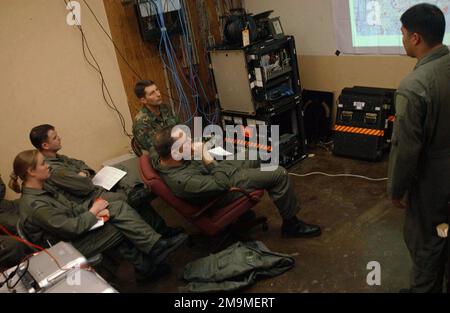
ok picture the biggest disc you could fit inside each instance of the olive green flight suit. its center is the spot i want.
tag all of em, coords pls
(64, 175)
(9, 210)
(146, 124)
(199, 184)
(48, 217)
(419, 164)
(65, 178)
(238, 266)
(11, 251)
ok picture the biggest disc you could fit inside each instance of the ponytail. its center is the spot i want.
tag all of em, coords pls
(22, 163)
(14, 183)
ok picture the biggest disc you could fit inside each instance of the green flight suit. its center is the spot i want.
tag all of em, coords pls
(11, 251)
(48, 217)
(9, 210)
(419, 164)
(199, 184)
(238, 266)
(146, 124)
(64, 176)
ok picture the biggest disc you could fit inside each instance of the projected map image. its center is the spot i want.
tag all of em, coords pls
(377, 23)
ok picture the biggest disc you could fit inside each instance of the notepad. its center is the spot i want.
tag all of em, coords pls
(99, 223)
(219, 151)
(108, 176)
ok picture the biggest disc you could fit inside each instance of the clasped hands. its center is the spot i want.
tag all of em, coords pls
(100, 209)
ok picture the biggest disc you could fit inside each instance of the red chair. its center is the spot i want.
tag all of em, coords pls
(208, 218)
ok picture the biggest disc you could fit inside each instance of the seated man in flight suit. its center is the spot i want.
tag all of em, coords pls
(202, 181)
(73, 178)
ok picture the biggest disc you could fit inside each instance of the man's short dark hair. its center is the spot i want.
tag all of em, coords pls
(163, 142)
(139, 89)
(39, 135)
(427, 20)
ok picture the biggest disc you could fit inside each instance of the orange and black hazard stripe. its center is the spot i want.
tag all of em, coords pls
(249, 144)
(362, 131)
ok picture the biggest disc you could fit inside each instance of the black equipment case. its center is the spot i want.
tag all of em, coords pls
(364, 122)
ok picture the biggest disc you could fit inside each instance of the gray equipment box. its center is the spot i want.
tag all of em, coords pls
(81, 281)
(45, 270)
(232, 82)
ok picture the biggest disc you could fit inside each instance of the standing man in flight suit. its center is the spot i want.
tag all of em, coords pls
(419, 165)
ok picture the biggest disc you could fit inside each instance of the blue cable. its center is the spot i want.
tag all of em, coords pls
(194, 75)
(194, 82)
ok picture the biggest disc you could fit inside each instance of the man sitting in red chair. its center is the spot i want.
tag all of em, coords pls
(202, 181)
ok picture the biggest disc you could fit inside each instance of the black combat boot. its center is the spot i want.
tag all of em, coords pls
(295, 228)
(164, 246)
(169, 232)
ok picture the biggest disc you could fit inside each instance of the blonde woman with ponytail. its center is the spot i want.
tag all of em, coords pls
(25, 161)
(49, 217)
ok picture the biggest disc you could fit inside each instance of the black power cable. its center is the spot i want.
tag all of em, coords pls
(9, 277)
(110, 38)
(24, 272)
(96, 67)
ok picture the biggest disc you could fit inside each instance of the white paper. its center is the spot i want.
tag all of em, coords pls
(99, 223)
(108, 176)
(219, 151)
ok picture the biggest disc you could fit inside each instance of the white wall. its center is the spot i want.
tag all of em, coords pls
(45, 79)
(309, 21)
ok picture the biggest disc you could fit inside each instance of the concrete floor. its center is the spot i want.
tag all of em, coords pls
(358, 222)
